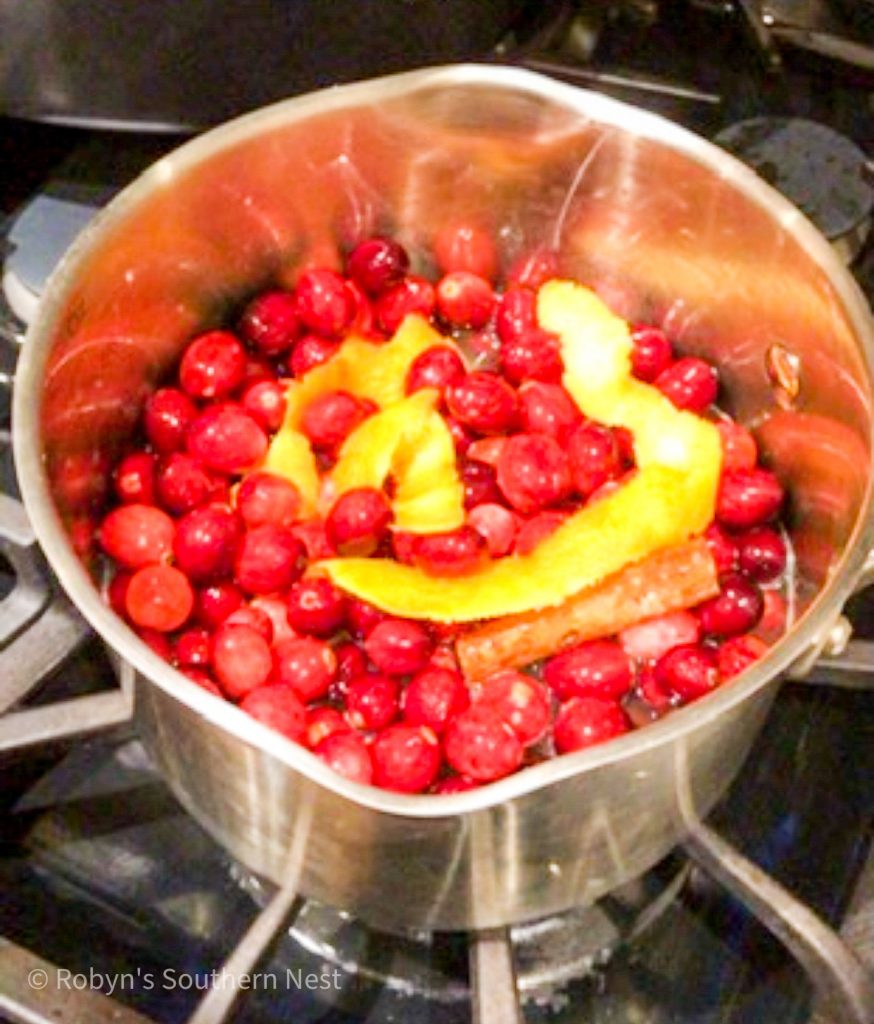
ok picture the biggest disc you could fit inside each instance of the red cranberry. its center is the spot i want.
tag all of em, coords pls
(358, 521)
(586, 721)
(377, 264)
(436, 367)
(307, 665)
(183, 482)
(739, 448)
(723, 548)
(213, 365)
(597, 668)
(484, 402)
(313, 535)
(594, 457)
(403, 546)
(269, 323)
(465, 300)
(461, 436)
(534, 268)
(256, 618)
(348, 755)
(214, 603)
(688, 672)
(323, 722)
(398, 647)
(328, 420)
(651, 354)
(762, 554)
(737, 654)
(689, 383)
(533, 472)
(548, 409)
(412, 295)
(134, 479)
(278, 708)
(535, 355)
(406, 758)
(270, 558)
(648, 641)
(497, 525)
(466, 246)
(480, 484)
(156, 641)
(316, 606)
(241, 659)
(116, 592)
(522, 702)
(324, 304)
(657, 700)
(455, 553)
(748, 497)
(735, 609)
(481, 745)
(206, 542)
(202, 679)
(434, 697)
(265, 402)
(535, 530)
(137, 535)
(364, 321)
(227, 439)
(167, 416)
(372, 701)
(273, 607)
(159, 597)
(310, 352)
(267, 498)
(517, 314)
(362, 617)
(351, 662)
(455, 784)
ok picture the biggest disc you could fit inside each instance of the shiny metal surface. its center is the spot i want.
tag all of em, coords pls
(670, 229)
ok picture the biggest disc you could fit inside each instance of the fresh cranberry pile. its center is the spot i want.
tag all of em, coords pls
(211, 554)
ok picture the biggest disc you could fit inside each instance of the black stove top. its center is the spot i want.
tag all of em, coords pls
(104, 875)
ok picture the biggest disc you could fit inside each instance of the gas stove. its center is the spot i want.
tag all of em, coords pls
(117, 906)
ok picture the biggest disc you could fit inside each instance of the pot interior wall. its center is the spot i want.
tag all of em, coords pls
(683, 239)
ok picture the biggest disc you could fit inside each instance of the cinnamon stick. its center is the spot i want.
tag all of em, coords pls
(667, 581)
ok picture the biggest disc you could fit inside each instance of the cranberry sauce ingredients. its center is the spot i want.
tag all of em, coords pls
(436, 531)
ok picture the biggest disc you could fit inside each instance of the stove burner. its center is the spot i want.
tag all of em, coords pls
(821, 171)
(548, 954)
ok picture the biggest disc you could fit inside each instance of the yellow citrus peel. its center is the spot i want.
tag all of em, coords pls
(410, 442)
(670, 498)
(363, 368)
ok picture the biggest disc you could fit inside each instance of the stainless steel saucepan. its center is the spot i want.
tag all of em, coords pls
(671, 228)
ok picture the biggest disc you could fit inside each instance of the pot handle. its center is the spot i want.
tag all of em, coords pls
(838, 660)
